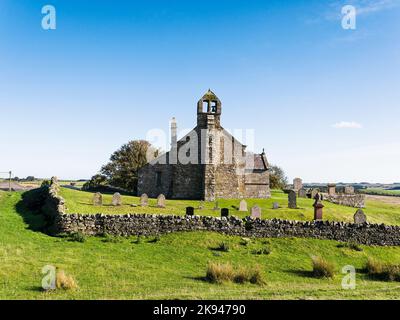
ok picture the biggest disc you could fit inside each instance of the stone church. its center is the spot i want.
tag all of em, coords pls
(207, 163)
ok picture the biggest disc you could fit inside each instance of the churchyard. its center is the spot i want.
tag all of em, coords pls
(377, 210)
(173, 266)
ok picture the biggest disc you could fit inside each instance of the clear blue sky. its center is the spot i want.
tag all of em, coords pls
(324, 102)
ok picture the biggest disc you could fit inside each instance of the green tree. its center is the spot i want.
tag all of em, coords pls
(96, 181)
(277, 178)
(122, 169)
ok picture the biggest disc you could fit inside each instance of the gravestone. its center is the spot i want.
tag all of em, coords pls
(349, 190)
(116, 199)
(292, 199)
(297, 184)
(331, 189)
(216, 207)
(224, 212)
(189, 211)
(256, 212)
(318, 208)
(314, 192)
(144, 200)
(161, 201)
(243, 205)
(360, 217)
(97, 199)
(302, 193)
(275, 205)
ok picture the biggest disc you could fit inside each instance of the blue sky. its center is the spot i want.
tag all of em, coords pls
(323, 101)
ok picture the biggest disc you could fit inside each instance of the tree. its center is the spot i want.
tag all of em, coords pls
(30, 178)
(122, 169)
(277, 178)
(96, 181)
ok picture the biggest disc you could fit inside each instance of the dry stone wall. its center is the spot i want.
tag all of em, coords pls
(148, 225)
(348, 200)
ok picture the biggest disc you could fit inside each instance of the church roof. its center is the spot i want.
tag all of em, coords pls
(260, 162)
(209, 95)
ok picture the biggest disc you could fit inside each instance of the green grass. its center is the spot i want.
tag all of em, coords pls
(175, 266)
(377, 212)
(381, 192)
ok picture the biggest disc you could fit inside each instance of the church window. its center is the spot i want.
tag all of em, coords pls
(214, 106)
(158, 179)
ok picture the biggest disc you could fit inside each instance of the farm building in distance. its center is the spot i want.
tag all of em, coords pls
(207, 163)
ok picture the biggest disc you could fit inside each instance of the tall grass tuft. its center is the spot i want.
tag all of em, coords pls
(322, 268)
(382, 271)
(218, 273)
(65, 282)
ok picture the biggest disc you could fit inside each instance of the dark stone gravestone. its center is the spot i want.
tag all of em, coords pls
(225, 212)
(189, 211)
(292, 199)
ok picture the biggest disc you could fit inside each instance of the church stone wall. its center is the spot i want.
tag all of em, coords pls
(147, 182)
(257, 185)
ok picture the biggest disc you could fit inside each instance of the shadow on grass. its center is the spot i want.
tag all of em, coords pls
(29, 208)
(200, 279)
(302, 273)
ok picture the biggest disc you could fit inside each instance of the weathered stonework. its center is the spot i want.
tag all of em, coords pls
(208, 163)
(148, 225)
(348, 200)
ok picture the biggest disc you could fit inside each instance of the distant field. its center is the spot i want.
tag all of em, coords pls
(381, 192)
(377, 211)
(175, 266)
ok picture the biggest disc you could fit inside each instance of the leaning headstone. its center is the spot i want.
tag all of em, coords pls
(302, 193)
(161, 201)
(243, 205)
(189, 211)
(97, 199)
(224, 212)
(275, 205)
(292, 200)
(144, 200)
(297, 184)
(256, 212)
(360, 217)
(116, 199)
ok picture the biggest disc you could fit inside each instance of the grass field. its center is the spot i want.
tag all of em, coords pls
(377, 212)
(174, 267)
(381, 192)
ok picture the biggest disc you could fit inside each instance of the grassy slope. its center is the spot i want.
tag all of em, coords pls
(377, 212)
(173, 267)
(379, 191)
